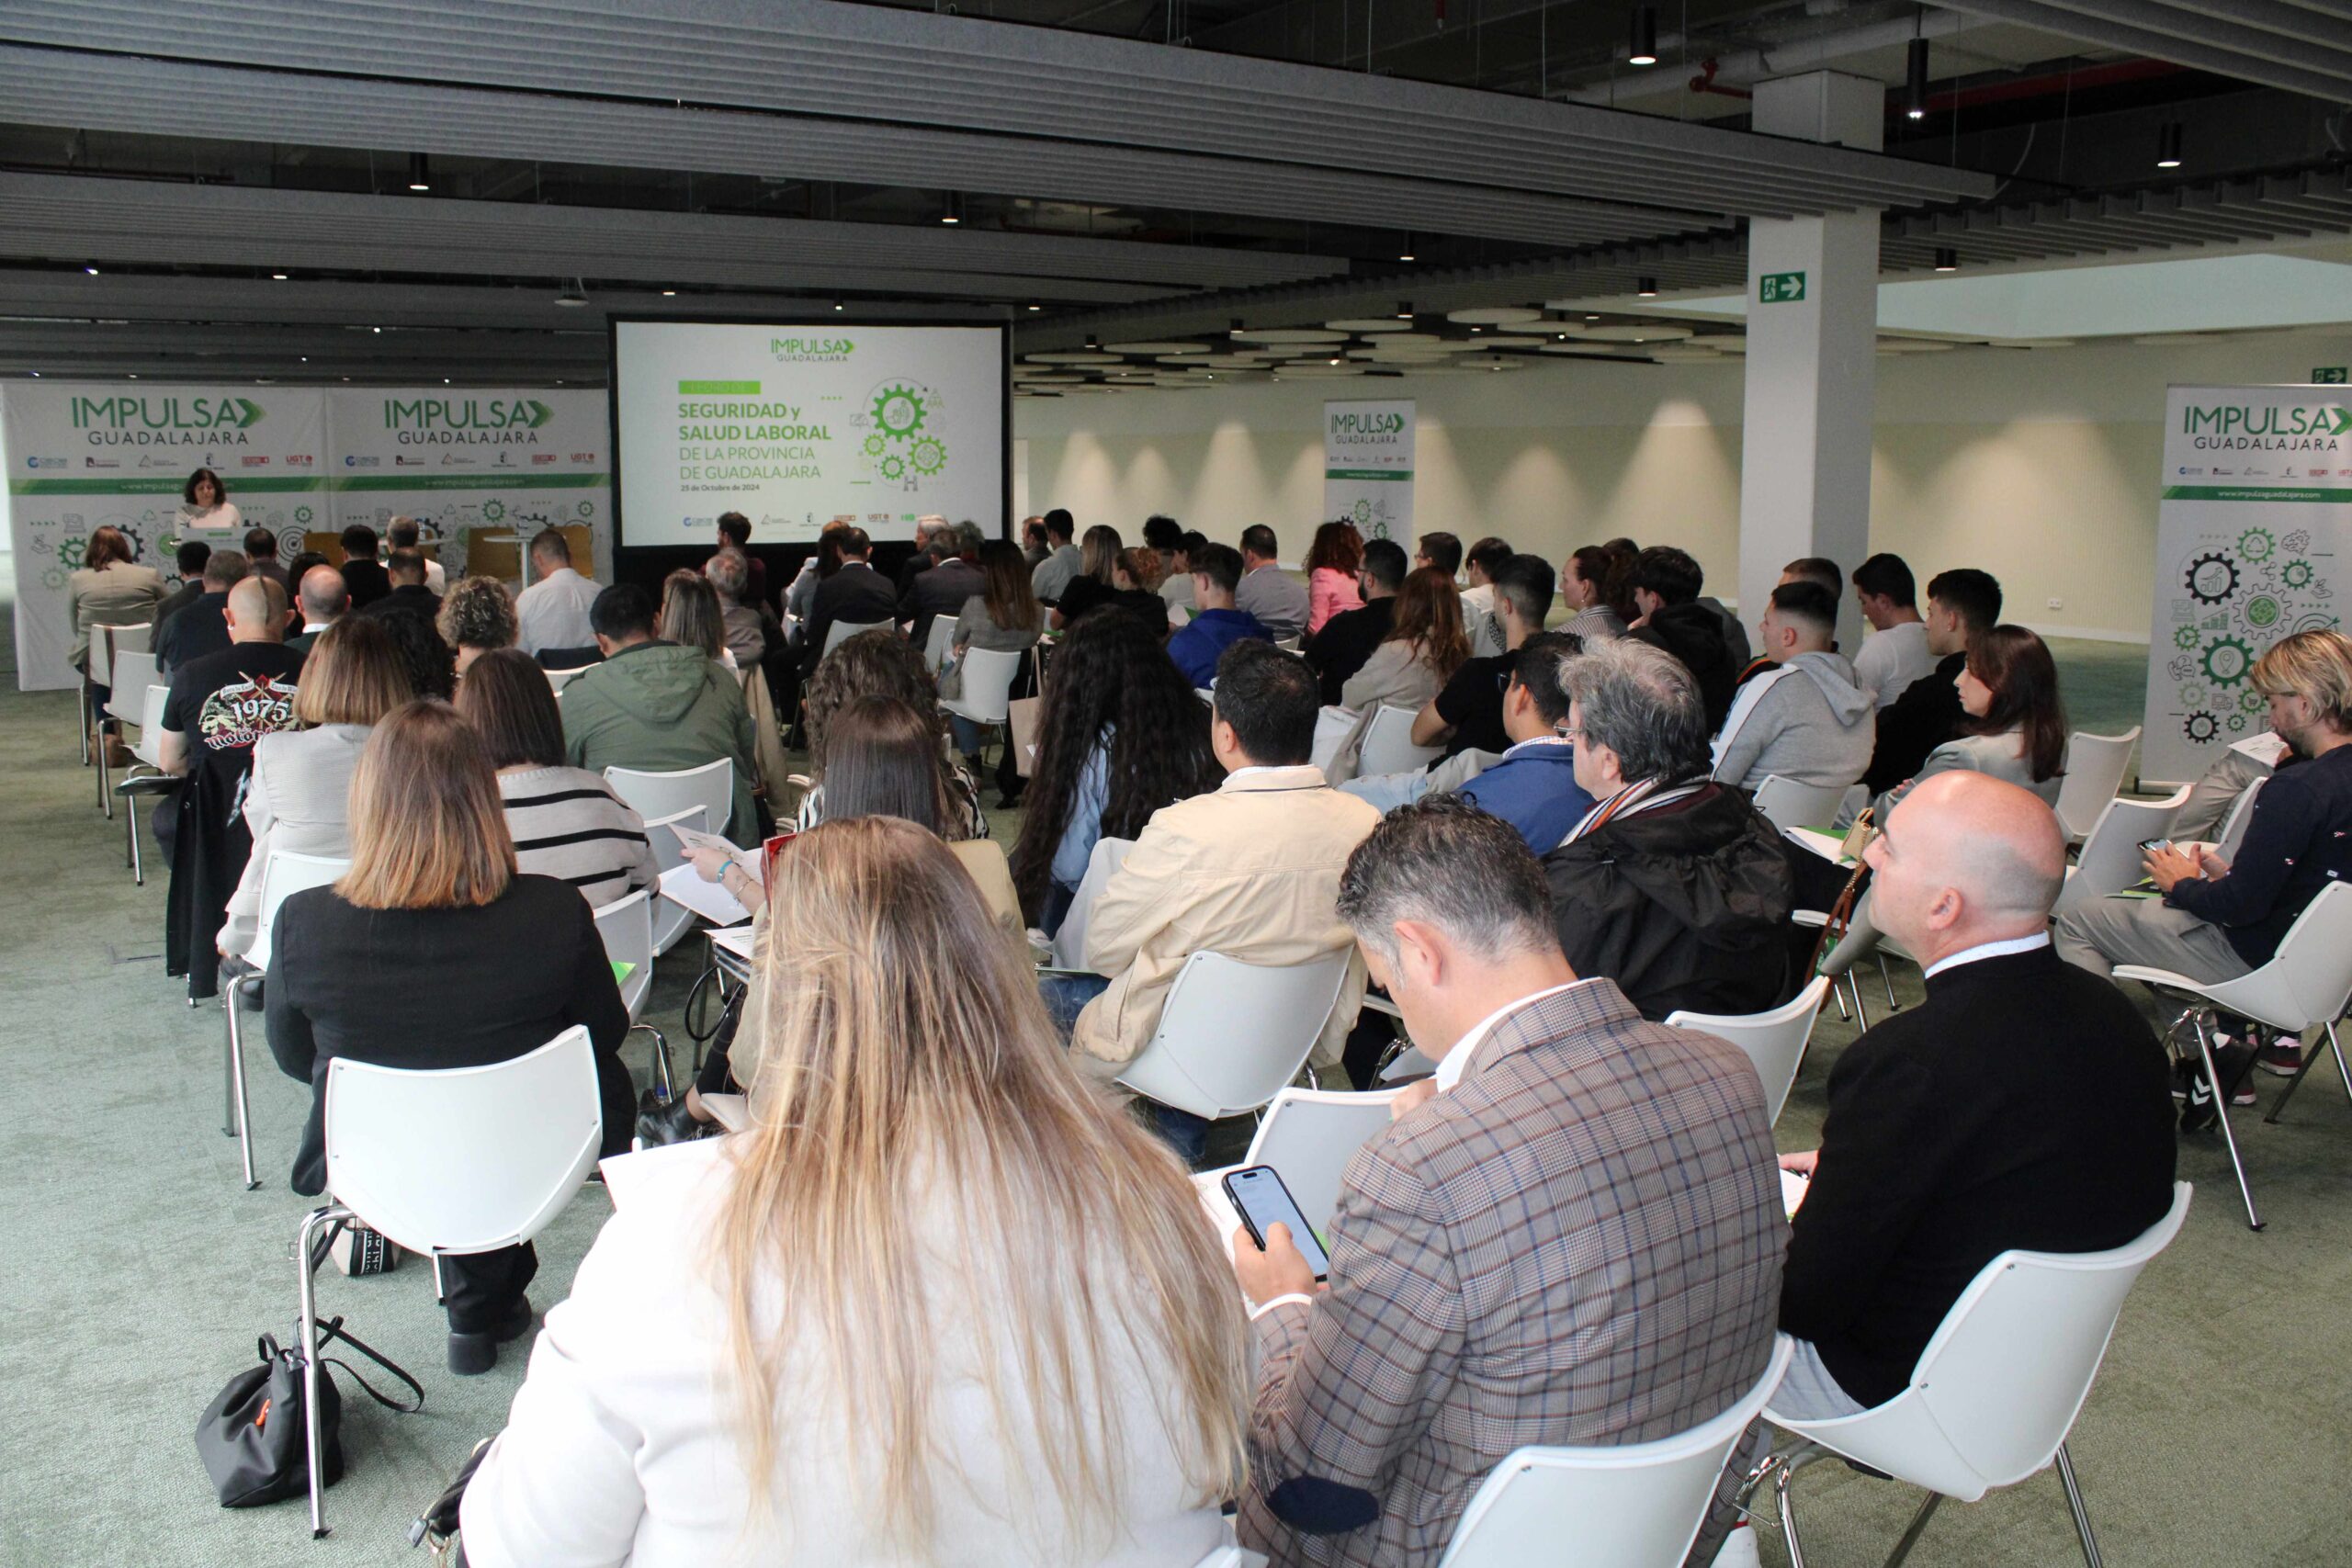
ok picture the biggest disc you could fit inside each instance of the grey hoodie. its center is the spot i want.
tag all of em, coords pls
(1812, 725)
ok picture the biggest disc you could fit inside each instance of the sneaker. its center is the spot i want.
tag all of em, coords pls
(2234, 1061)
(1738, 1550)
(2283, 1055)
(2196, 1112)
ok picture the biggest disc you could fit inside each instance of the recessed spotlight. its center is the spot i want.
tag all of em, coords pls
(90, 267)
(838, 306)
(1236, 328)
(1036, 307)
(419, 176)
(669, 294)
(1947, 259)
(1645, 287)
(1404, 309)
(135, 375)
(36, 374)
(278, 277)
(444, 380)
(1591, 318)
(1642, 50)
(375, 329)
(306, 359)
(575, 297)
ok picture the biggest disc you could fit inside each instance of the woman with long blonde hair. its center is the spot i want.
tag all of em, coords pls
(940, 1302)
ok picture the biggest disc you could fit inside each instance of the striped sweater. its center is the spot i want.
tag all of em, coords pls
(567, 825)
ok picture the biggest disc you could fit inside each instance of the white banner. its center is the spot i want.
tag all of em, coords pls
(1368, 468)
(82, 456)
(2256, 516)
(493, 460)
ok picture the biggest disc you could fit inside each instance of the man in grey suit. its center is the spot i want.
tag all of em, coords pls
(1267, 591)
(1572, 1234)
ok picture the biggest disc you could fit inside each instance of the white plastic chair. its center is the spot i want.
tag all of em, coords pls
(135, 700)
(283, 875)
(2111, 859)
(116, 654)
(1626, 1506)
(447, 1164)
(2095, 765)
(2308, 981)
(653, 796)
(627, 926)
(988, 675)
(2240, 818)
(1388, 745)
(560, 678)
(1862, 940)
(939, 650)
(1333, 724)
(1997, 1389)
(1287, 644)
(841, 631)
(1178, 618)
(1787, 804)
(672, 920)
(1308, 1135)
(1774, 1041)
(1070, 937)
(1231, 1034)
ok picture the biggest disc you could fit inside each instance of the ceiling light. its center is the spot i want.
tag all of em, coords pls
(838, 306)
(278, 277)
(375, 329)
(1915, 81)
(1592, 318)
(952, 213)
(1646, 288)
(135, 375)
(1236, 328)
(90, 267)
(1404, 309)
(1339, 361)
(1036, 307)
(574, 297)
(420, 177)
(2167, 149)
(669, 294)
(1645, 42)
(36, 374)
(1407, 254)
(444, 380)
(1947, 259)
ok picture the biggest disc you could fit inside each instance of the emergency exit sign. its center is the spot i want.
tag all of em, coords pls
(2330, 375)
(1780, 288)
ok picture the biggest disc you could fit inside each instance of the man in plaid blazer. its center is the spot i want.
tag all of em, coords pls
(1571, 1235)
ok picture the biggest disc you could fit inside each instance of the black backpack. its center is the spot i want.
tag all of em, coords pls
(251, 1437)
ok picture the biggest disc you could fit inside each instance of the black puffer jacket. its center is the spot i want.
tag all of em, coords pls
(1684, 907)
(1694, 634)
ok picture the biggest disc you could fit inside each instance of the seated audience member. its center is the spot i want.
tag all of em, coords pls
(1134, 588)
(1534, 786)
(2016, 727)
(1674, 886)
(955, 576)
(432, 663)
(920, 559)
(362, 572)
(1333, 563)
(201, 626)
(881, 663)
(188, 561)
(108, 589)
(406, 534)
(299, 798)
(552, 613)
(657, 706)
(691, 617)
(1163, 535)
(1665, 584)
(1571, 1235)
(856, 595)
(1039, 1357)
(1895, 653)
(816, 568)
(1061, 562)
(323, 600)
(565, 822)
(1091, 582)
(1033, 541)
(1278, 599)
(1467, 715)
(1805, 720)
(494, 964)
(1479, 620)
(1592, 584)
(2240, 766)
(1443, 552)
(882, 760)
(2218, 920)
(1000, 614)
(476, 618)
(409, 596)
(1248, 869)
(1962, 603)
(1121, 736)
(1177, 586)
(260, 559)
(1349, 637)
(735, 534)
(2023, 1105)
(1216, 625)
(1424, 646)
(753, 631)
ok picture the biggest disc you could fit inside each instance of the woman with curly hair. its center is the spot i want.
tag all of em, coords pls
(1122, 736)
(1332, 563)
(1426, 644)
(881, 663)
(477, 617)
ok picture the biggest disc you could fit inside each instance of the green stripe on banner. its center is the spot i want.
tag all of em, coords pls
(1367, 473)
(720, 388)
(2232, 493)
(161, 485)
(494, 480)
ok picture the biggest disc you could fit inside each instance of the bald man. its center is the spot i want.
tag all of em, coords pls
(2024, 1104)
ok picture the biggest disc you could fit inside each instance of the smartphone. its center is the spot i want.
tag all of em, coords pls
(1261, 1201)
(2152, 845)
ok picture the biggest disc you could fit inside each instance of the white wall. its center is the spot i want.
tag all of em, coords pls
(2040, 467)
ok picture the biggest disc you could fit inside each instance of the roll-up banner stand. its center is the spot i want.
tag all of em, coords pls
(1368, 468)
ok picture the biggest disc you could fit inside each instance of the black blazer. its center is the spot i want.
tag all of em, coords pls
(858, 595)
(427, 988)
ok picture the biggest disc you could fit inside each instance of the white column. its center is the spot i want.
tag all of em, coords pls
(1804, 481)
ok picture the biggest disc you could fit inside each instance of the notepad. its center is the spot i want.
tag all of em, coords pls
(1793, 1191)
(684, 886)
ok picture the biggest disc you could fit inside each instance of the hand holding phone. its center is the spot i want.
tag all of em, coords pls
(2155, 846)
(1263, 1202)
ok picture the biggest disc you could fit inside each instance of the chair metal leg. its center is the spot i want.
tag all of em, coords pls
(661, 1061)
(1862, 1014)
(307, 1331)
(1845, 1015)
(229, 1062)
(2075, 1502)
(106, 784)
(1911, 1533)
(130, 837)
(237, 1100)
(2310, 1059)
(2336, 1051)
(1787, 1505)
(2222, 1115)
(82, 716)
(1886, 978)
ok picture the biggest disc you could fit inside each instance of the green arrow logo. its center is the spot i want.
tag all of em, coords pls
(248, 412)
(2343, 423)
(540, 413)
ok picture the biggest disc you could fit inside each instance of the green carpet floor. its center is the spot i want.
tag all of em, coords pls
(135, 1272)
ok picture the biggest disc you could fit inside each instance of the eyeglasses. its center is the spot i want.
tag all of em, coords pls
(1566, 733)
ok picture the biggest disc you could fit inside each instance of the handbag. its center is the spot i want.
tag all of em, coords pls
(1025, 716)
(251, 1437)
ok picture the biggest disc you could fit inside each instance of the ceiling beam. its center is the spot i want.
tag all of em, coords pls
(2184, 35)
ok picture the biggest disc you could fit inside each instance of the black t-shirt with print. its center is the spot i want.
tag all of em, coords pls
(224, 702)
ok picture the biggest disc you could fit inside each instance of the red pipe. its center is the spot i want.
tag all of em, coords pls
(2089, 77)
(1704, 82)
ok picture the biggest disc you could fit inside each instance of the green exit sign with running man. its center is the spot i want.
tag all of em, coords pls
(1780, 288)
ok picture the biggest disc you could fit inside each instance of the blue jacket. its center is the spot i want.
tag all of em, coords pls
(1534, 789)
(1198, 646)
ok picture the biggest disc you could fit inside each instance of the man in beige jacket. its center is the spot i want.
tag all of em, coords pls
(1250, 871)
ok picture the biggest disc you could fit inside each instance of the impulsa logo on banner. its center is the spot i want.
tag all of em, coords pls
(466, 421)
(164, 420)
(2267, 427)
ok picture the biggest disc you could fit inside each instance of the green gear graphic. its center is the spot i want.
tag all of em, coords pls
(2226, 660)
(874, 443)
(2296, 574)
(493, 510)
(301, 514)
(929, 455)
(2185, 637)
(2252, 701)
(587, 509)
(2201, 727)
(2261, 611)
(2236, 722)
(2192, 696)
(1363, 512)
(54, 579)
(2256, 544)
(69, 552)
(894, 467)
(899, 412)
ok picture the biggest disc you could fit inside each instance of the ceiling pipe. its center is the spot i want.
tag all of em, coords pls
(1704, 82)
(1803, 53)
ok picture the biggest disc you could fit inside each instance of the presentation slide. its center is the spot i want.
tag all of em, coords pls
(795, 424)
